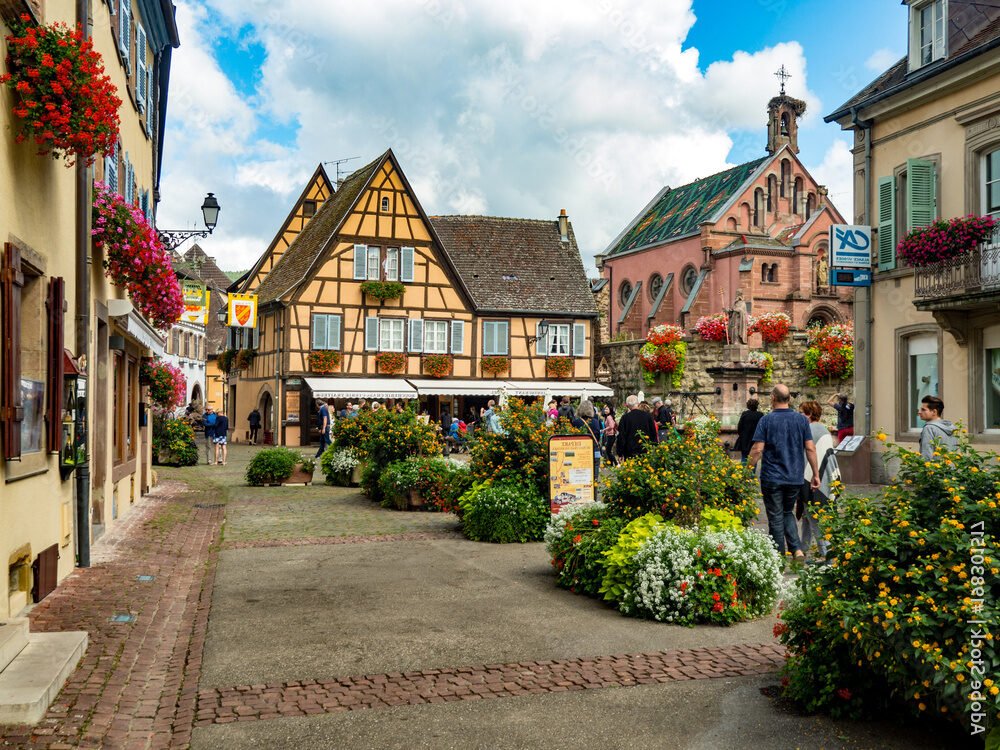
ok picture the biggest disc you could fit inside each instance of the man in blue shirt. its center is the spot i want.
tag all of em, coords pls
(324, 427)
(208, 422)
(783, 443)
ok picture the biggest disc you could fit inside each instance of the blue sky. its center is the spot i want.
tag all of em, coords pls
(513, 109)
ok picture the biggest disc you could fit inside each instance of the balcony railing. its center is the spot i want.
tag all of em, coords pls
(975, 273)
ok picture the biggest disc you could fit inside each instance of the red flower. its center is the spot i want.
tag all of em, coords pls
(716, 597)
(844, 693)
(780, 629)
(596, 522)
(718, 607)
(577, 538)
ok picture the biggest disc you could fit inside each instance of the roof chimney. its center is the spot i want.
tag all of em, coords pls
(563, 225)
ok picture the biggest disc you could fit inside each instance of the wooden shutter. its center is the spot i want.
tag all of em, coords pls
(406, 264)
(319, 333)
(140, 68)
(371, 334)
(886, 223)
(111, 169)
(360, 262)
(149, 101)
(921, 203)
(416, 335)
(333, 331)
(54, 384)
(579, 339)
(125, 30)
(457, 336)
(11, 411)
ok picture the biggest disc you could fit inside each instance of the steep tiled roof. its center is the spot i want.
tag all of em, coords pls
(511, 265)
(199, 264)
(295, 262)
(679, 211)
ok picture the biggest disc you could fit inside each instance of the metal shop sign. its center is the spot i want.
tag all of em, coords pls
(850, 246)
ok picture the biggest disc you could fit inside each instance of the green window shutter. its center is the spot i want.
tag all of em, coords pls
(319, 337)
(886, 223)
(416, 335)
(579, 339)
(489, 337)
(502, 337)
(371, 334)
(360, 262)
(333, 331)
(406, 264)
(921, 193)
(457, 336)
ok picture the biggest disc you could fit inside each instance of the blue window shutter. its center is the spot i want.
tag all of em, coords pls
(886, 223)
(333, 331)
(489, 337)
(579, 339)
(503, 335)
(416, 335)
(360, 262)
(319, 337)
(921, 203)
(125, 31)
(406, 264)
(149, 101)
(140, 67)
(111, 169)
(371, 334)
(541, 345)
(458, 337)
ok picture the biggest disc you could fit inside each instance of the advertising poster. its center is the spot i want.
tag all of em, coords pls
(571, 470)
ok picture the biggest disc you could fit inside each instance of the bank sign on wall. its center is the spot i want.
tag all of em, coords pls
(850, 246)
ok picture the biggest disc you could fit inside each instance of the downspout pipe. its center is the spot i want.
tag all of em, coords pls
(866, 127)
(82, 474)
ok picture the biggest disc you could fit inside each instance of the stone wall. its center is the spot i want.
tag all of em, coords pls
(626, 375)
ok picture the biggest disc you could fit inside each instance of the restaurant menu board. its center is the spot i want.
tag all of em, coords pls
(571, 470)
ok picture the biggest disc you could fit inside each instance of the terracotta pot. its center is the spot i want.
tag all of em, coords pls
(299, 476)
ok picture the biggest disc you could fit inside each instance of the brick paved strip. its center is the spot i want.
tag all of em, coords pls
(137, 684)
(409, 536)
(306, 697)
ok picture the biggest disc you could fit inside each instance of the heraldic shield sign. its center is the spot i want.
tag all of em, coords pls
(243, 310)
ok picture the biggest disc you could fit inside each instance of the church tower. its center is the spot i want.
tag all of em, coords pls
(783, 113)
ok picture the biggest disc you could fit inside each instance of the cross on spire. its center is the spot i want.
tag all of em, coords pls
(784, 75)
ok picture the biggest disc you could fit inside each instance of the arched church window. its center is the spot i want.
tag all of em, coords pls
(731, 224)
(810, 205)
(763, 272)
(797, 195)
(772, 273)
(746, 216)
(758, 207)
(771, 185)
(784, 123)
(786, 171)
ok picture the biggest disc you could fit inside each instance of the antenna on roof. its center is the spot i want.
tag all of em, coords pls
(338, 162)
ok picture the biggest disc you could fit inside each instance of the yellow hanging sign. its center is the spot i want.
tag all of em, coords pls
(243, 310)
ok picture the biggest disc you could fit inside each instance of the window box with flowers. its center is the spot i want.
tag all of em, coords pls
(324, 360)
(437, 365)
(560, 368)
(390, 363)
(383, 290)
(495, 365)
(944, 239)
(663, 355)
(64, 100)
(773, 327)
(713, 327)
(135, 259)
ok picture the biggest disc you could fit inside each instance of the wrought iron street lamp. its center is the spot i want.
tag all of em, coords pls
(174, 238)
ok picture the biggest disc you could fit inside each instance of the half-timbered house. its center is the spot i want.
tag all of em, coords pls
(375, 300)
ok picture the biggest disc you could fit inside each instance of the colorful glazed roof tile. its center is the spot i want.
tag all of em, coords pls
(679, 211)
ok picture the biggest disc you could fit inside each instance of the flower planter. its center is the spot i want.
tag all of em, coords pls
(299, 476)
(356, 476)
(415, 501)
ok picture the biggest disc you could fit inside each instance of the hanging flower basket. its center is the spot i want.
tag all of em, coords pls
(664, 352)
(324, 360)
(64, 100)
(765, 361)
(773, 327)
(135, 259)
(383, 290)
(436, 365)
(559, 368)
(495, 365)
(944, 239)
(390, 363)
(226, 360)
(167, 384)
(712, 327)
(830, 355)
(244, 357)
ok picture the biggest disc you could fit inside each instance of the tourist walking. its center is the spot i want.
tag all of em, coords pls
(783, 444)
(610, 434)
(746, 427)
(254, 420)
(221, 438)
(636, 430)
(829, 471)
(324, 427)
(936, 428)
(208, 424)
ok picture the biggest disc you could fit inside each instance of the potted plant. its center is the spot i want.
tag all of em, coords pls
(324, 360)
(773, 327)
(383, 290)
(64, 100)
(663, 353)
(559, 368)
(830, 354)
(275, 466)
(713, 327)
(390, 363)
(302, 473)
(437, 365)
(340, 466)
(494, 365)
(243, 358)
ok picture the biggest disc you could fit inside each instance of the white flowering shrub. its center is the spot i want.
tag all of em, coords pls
(557, 525)
(506, 512)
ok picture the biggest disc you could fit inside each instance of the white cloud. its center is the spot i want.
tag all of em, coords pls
(881, 60)
(516, 109)
(835, 171)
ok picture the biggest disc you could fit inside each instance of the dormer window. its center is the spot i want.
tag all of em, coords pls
(927, 32)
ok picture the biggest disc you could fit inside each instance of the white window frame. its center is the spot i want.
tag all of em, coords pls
(501, 334)
(986, 182)
(326, 318)
(389, 330)
(921, 344)
(937, 45)
(435, 336)
(558, 340)
(373, 268)
(391, 264)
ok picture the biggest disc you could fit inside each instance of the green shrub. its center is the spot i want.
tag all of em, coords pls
(396, 481)
(576, 540)
(506, 512)
(713, 519)
(337, 464)
(349, 433)
(440, 481)
(173, 441)
(891, 620)
(273, 465)
(680, 477)
(370, 481)
(468, 498)
(620, 566)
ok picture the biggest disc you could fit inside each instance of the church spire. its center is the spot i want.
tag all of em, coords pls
(783, 115)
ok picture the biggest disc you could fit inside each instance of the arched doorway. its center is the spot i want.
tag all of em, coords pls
(196, 396)
(267, 418)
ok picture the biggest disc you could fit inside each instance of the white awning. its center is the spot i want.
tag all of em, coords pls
(447, 387)
(556, 388)
(135, 326)
(361, 388)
